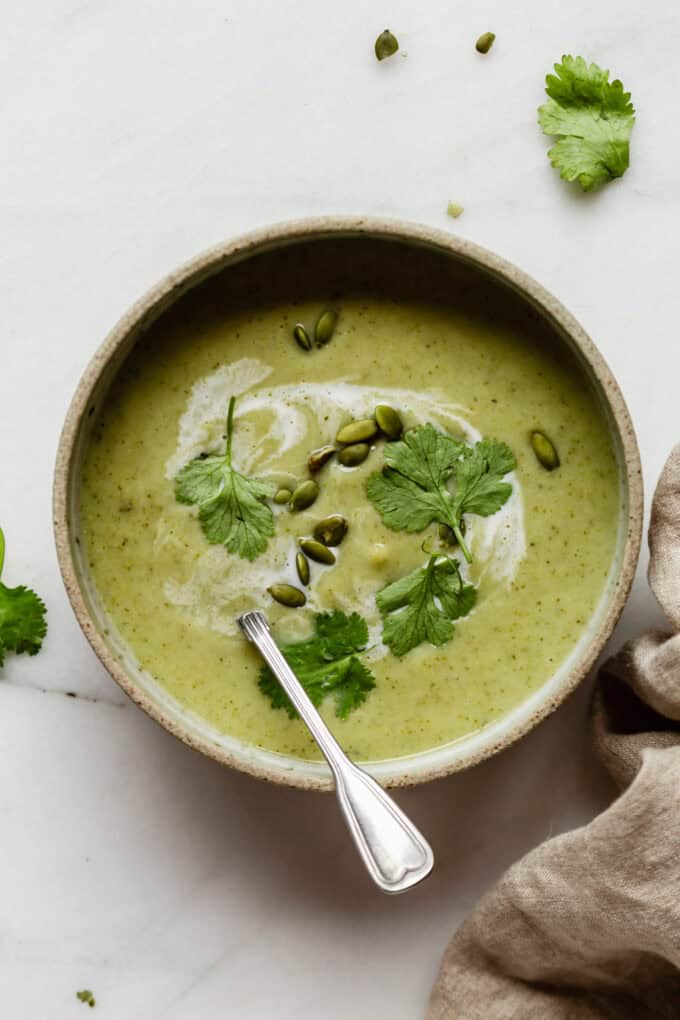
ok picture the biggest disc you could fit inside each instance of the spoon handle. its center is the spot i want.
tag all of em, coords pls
(395, 853)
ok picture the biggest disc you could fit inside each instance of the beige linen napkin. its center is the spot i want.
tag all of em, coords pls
(588, 924)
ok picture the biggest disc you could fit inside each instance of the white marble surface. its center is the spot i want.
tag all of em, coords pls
(134, 135)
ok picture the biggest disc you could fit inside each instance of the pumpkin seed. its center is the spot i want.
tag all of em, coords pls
(331, 530)
(546, 454)
(448, 535)
(318, 458)
(304, 495)
(485, 42)
(325, 327)
(282, 496)
(357, 431)
(386, 45)
(302, 567)
(287, 595)
(354, 455)
(302, 337)
(317, 551)
(388, 421)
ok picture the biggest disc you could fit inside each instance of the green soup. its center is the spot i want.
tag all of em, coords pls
(469, 365)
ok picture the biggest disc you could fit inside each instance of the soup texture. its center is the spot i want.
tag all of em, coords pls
(540, 564)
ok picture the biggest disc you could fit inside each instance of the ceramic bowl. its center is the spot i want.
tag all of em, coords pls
(375, 247)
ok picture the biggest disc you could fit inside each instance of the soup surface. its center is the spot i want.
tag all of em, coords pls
(540, 563)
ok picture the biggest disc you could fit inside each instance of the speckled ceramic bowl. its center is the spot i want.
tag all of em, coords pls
(414, 244)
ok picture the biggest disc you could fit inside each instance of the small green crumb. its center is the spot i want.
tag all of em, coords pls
(485, 42)
(454, 210)
(86, 996)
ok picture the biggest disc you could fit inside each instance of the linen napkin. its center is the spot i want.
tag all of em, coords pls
(588, 925)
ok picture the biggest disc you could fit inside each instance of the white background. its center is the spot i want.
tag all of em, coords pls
(135, 134)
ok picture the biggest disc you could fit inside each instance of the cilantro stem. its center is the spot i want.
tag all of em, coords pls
(461, 542)
(230, 428)
(2, 551)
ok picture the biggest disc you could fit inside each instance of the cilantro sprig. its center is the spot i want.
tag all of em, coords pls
(326, 663)
(591, 118)
(423, 605)
(414, 487)
(232, 507)
(22, 616)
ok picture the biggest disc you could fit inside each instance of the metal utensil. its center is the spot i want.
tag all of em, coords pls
(395, 853)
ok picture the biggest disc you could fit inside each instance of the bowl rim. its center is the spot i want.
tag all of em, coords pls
(191, 273)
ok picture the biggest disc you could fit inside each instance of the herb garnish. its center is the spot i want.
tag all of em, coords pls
(422, 605)
(413, 488)
(87, 997)
(592, 119)
(22, 616)
(231, 507)
(326, 664)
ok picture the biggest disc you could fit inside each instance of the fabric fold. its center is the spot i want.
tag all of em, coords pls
(588, 924)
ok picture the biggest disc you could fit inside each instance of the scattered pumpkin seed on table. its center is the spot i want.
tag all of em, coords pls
(386, 45)
(485, 42)
(282, 496)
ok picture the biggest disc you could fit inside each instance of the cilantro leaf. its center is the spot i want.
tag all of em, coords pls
(479, 489)
(413, 488)
(592, 119)
(422, 605)
(326, 664)
(231, 507)
(22, 617)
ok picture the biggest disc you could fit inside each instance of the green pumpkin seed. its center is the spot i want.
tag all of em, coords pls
(546, 454)
(304, 495)
(287, 595)
(302, 567)
(331, 530)
(317, 551)
(282, 496)
(386, 45)
(485, 42)
(388, 421)
(446, 534)
(318, 458)
(357, 431)
(354, 455)
(302, 337)
(325, 327)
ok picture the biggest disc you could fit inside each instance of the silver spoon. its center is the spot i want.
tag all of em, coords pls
(396, 855)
